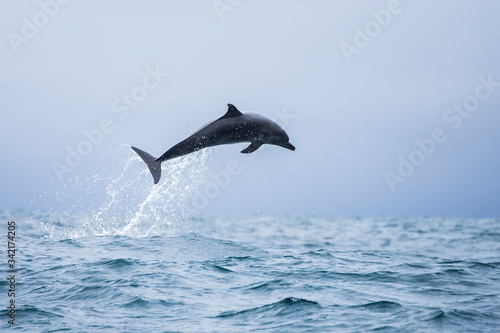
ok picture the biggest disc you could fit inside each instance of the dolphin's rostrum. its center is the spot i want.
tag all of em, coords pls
(233, 127)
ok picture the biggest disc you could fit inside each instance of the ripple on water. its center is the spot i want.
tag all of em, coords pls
(289, 306)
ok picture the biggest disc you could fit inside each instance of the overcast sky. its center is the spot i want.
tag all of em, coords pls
(394, 106)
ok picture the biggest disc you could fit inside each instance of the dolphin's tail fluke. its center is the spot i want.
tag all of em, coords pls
(153, 165)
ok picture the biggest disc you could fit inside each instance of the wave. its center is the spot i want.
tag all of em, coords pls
(31, 312)
(379, 306)
(268, 286)
(117, 263)
(289, 306)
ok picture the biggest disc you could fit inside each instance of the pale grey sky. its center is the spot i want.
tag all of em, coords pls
(361, 82)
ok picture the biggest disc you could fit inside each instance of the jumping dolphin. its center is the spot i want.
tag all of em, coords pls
(233, 127)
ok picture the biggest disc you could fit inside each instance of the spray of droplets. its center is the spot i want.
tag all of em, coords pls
(125, 203)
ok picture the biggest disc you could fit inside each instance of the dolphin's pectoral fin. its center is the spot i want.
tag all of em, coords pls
(250, 149)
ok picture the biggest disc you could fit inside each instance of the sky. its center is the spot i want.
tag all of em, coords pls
(394, 106)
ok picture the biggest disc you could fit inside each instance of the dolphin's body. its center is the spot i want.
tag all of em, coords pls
(233, 127)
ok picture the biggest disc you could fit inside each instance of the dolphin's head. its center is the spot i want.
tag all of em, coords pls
(267, 131)
(279, 137)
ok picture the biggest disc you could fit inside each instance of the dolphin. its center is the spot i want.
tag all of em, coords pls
(233, 127)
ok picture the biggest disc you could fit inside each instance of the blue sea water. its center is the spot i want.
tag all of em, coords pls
(145, 263)
(269, 274)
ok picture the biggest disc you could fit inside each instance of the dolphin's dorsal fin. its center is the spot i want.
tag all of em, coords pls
(253, 147)
(232, 111)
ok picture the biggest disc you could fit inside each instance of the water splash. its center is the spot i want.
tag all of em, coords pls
(125, 203)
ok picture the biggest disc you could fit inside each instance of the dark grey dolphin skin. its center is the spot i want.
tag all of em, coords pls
(233, 127)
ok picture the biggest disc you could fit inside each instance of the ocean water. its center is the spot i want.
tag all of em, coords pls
(148, 262)
(269, 274)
